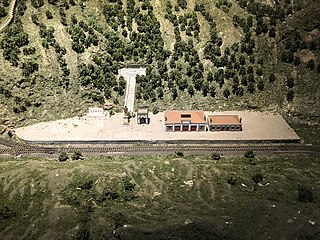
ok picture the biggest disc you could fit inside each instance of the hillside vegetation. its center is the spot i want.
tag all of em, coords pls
(193, 197)
(59, 57)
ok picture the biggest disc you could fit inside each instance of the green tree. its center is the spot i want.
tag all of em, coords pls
(290, 95)
(182, 3)
(121, 85)
(272, 78)
(190, 90)
(174, 93)
(182, 83)
(210, 77)
(260, 85)
(205, 88)
(311, 64)
(2, 12)
(251, 87)
(29, 67)
(37, 3)
(259, 71)
(213, 91)
(290, 82)
(226, 93)
(272, 32)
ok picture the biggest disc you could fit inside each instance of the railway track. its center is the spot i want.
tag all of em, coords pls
(26, 149)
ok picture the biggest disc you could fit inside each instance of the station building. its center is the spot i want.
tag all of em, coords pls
(224, 123)
(185, 121)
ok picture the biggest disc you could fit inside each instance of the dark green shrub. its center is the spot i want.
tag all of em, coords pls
(305, 194)
(290, 95)
(257, 178)
(216, 156)
(86, 184)
(232, 181)
(249, 154)
(63, 157)
(118, 219)
(3, 11)
(76, 156)
(272, 78)
(155, 110)
(179, 154)
(6, 212)
(82, 234)
(37, 3)
(128, 185)
(49, 15)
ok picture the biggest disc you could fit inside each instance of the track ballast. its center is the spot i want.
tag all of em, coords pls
(26, 149)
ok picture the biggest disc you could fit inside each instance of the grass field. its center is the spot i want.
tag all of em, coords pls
(308, 134)
(173, 197)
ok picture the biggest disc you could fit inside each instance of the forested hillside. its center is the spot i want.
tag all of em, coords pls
(58, 57)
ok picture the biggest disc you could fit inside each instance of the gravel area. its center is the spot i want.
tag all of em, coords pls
(256, 126)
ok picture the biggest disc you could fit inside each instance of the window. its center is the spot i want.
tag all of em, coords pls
(186, 115)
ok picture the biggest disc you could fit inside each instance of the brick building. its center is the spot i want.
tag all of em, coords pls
(185, 121)
(224, 123)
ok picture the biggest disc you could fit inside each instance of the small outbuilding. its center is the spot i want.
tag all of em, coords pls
(185, 121)
(143, 116)
(224, 123)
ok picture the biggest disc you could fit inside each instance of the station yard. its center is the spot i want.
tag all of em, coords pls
(258, 126)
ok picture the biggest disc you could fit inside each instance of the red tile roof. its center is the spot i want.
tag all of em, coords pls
(172, 117)
(224, 120)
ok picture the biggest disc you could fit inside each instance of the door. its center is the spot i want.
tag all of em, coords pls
(142, 120)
